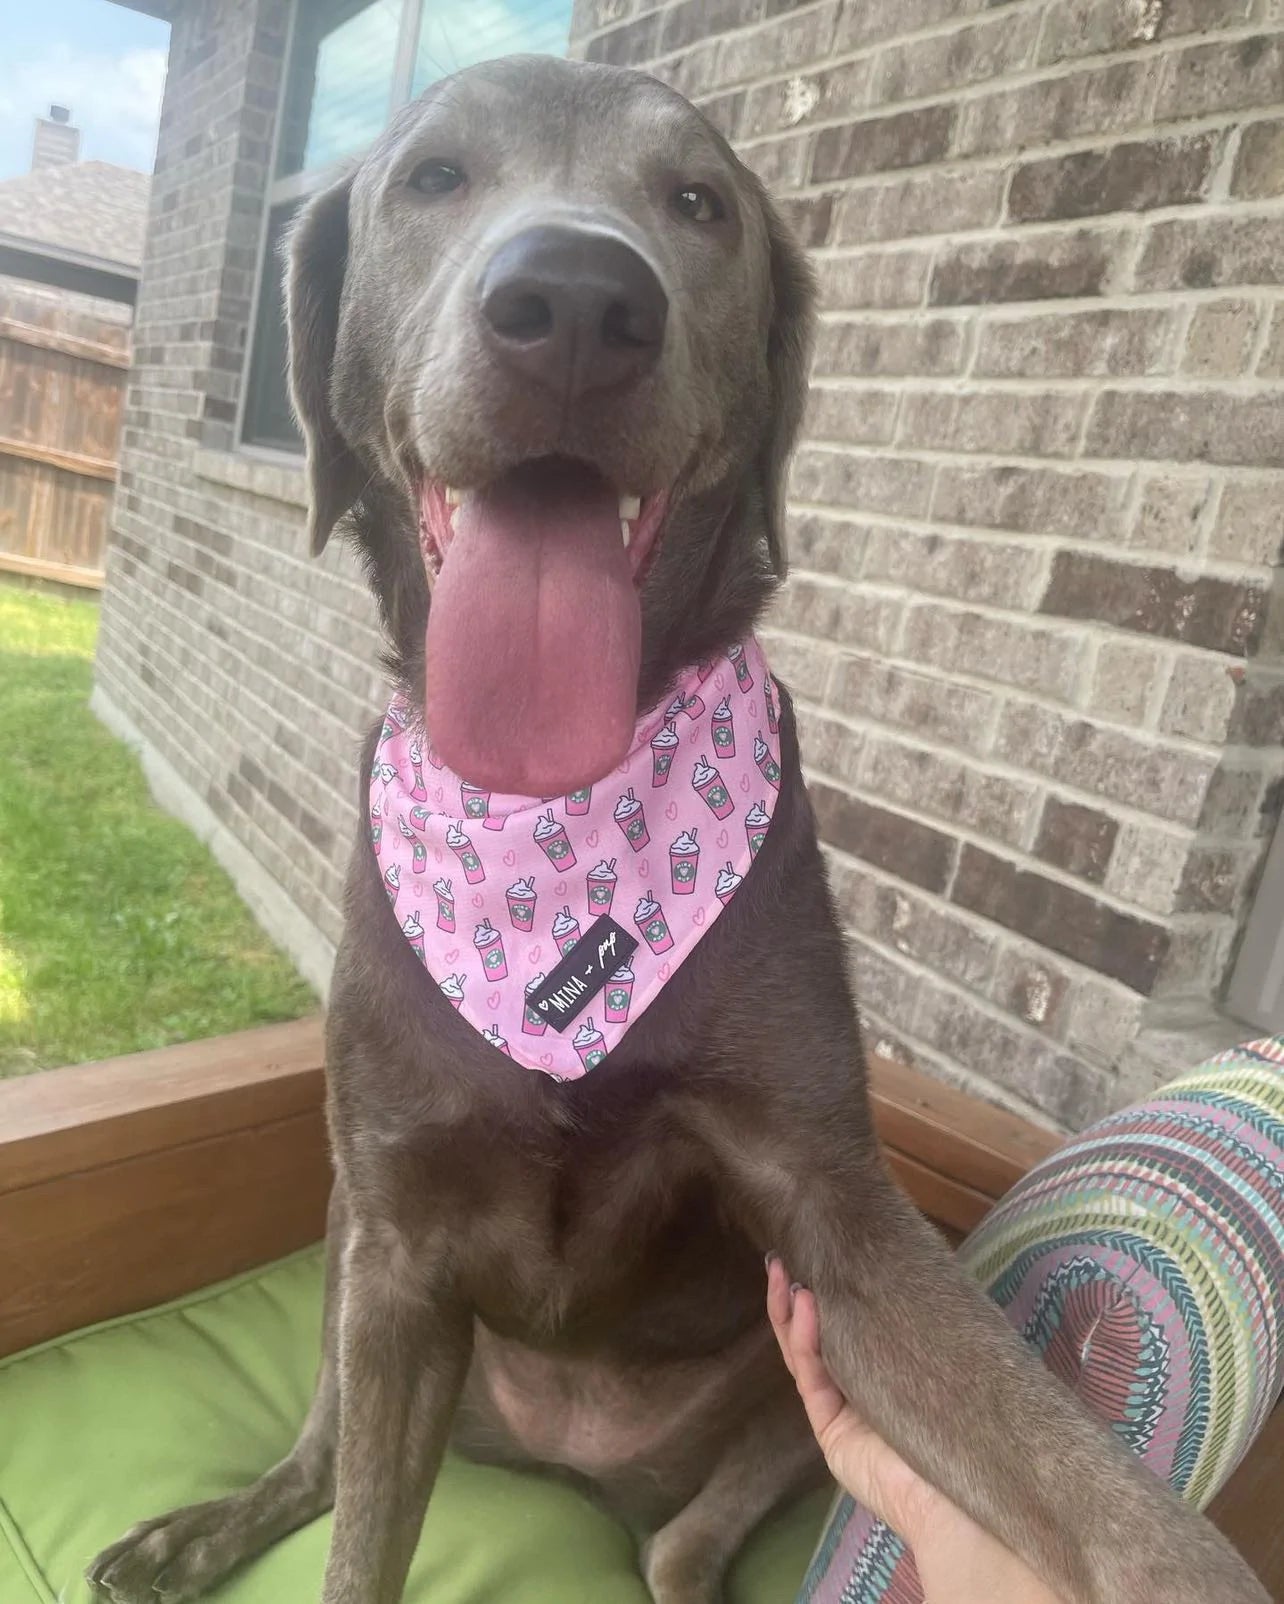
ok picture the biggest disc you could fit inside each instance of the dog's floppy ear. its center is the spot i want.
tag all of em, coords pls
(317, 256)
(793, 290)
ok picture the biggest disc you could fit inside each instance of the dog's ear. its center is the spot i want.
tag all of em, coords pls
(793, 291)
(317, 254)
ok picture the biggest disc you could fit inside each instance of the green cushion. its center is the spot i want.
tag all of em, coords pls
(119, 1422)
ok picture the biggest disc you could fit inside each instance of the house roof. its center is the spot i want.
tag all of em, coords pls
(92, 212)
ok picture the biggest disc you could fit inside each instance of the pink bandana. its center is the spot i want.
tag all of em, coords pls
(552, 925)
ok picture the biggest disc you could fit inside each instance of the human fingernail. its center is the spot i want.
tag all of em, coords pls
(770, 1258)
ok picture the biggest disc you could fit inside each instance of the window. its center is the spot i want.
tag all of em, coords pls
(351, 64)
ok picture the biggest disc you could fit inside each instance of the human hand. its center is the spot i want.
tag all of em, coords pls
(958, 1561)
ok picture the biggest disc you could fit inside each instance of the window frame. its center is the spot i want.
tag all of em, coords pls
(293, 188)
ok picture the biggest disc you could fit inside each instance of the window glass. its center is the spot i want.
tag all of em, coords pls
(269, 420)
(339, 91)
(452, 36)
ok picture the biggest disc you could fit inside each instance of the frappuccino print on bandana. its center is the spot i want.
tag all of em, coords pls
(493, 892)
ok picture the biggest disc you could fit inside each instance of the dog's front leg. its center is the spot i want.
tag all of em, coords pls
(934, 1366)
(405, 1339)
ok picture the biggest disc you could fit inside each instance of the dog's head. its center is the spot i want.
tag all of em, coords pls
(548, 344)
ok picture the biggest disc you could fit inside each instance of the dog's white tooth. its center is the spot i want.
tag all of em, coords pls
(630, 506)
(624, 532)
(453, 496)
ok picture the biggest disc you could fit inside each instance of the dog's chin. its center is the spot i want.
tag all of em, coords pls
(534, 634)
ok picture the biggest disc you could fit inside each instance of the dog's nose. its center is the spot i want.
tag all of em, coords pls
(574, 310)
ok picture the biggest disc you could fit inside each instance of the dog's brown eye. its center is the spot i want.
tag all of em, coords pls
(437, 178)
(698, 203)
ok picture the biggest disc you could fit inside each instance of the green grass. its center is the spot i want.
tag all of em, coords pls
(118, 931)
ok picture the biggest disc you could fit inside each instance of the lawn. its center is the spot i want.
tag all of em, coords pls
(118, 930)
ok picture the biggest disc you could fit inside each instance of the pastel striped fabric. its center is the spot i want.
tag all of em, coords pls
(1145, 1261)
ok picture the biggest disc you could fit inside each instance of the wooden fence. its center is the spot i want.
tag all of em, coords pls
(62, 391)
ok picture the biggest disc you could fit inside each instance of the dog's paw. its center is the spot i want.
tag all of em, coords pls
(679, 1571)
(172, 1559)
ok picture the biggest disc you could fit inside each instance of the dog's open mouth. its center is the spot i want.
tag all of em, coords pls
(535, 630)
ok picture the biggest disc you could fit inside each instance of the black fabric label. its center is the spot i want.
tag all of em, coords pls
(568, 990)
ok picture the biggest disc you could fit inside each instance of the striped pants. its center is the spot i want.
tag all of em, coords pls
(1145, 1261)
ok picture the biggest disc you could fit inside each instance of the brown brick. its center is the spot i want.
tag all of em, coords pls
(801, 665)
(1097, 101)
(919, 68)
(1200, 701)
(1078, 926)
(1103, 1018)
(589, 16)
(805, 98)
(1114, 341)
(1185, 426)
(1045, 425)
(876, 279)
(693, 20)
(1223, 76)
(1046, 267)
(791, 42)
(851, 416)
(1034, 501)
(693, 71)
(1125, 681)
(1241, 803)
(901, 846)
(826, 545)
(1217, 614)
(934, 709)
(874, 20)
(1076, 838)
(1216, 880)
(1170, 513)
(829, 747)
(882, 144)
(1007, 1054)
(1271, 365)
(1130, 177)
(627, 46)
(1221, 339)
(1259, 165)
(810, 216)
(1147, 866)
(723, 111)
(919, 927)
(1007, 651)
(1026, 984)
(932, 346)
(822, 609)
(927, 203)
(896, 486)
(938, 783)
(1076, 28)
(1249, 526)
(781, 164)
(997, 573)
(1212, 253)
(1259, 713)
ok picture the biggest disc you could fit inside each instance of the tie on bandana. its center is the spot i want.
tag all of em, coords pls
(494, 892)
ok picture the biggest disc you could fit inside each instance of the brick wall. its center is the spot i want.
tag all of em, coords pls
(1036, 520)
(1032, 624)
(247, 670)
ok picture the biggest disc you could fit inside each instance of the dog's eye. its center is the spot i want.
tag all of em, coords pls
(698, 203)
(437, 178)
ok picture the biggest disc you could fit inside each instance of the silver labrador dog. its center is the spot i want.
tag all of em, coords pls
(552, 287)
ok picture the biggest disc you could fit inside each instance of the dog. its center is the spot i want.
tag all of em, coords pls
(551, 287)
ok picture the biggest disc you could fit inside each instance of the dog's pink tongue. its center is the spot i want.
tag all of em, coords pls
(534, 635)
